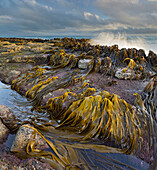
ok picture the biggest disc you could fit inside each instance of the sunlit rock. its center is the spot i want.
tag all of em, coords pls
(127, 75)
(23, 136)
(8, 117)
(83, 63)
(4, 131)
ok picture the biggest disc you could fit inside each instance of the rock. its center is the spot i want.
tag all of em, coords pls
(129, 74)
(17, 59)
(8, 117)
(11, 75)
(40, 58)
(33, 164)
(4, 132)
(83, 63)
(9, 161)
(22, 138)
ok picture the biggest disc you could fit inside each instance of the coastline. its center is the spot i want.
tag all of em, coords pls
(31, 53)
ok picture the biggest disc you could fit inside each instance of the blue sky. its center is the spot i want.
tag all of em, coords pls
(77, 17)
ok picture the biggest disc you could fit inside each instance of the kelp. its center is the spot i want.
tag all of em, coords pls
(67, 155)
(102, 116)
(131, 64)
(146, 103)
(85, 112)
(31, 76)
(149, 97)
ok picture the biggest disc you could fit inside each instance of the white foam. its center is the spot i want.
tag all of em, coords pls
(121, 40)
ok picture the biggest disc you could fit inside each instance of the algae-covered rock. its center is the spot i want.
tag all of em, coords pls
(23, 136)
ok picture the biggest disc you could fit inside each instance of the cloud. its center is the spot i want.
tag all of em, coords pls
(77, 17)
(136, 14)
(89, 16)
(5, 18)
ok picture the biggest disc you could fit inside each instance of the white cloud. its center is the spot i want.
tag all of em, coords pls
(115, 26)
(121, 1)
(5, 19)
(47, 7)
(89, 16)
(32, 2)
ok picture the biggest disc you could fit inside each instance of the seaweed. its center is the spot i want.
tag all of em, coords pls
(83, 111)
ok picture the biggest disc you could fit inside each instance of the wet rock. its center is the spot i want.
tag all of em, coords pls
(129, 74)
(22, 138)
(8, 117)
(83, 63)
(4, 131)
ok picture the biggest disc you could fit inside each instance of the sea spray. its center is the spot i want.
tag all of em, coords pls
(122, 40)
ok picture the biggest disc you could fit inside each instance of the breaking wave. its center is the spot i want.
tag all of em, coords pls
(122, 40)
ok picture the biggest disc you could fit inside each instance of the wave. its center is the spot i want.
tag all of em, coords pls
(122, 40)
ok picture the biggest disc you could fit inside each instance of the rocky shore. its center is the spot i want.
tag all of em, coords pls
(55, 74)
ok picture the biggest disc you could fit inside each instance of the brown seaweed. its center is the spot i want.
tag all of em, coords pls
(85, 112)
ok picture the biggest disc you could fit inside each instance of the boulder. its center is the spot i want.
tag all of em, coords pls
(4, 132)
(8, 117)
(128, 75)
(23, 136)
(83, 63)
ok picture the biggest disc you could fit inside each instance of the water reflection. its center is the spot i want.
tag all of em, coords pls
(17, 104)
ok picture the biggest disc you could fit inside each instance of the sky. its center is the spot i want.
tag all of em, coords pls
(77, 17)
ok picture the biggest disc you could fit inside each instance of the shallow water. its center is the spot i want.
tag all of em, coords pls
(93, 157)
(20, 106)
